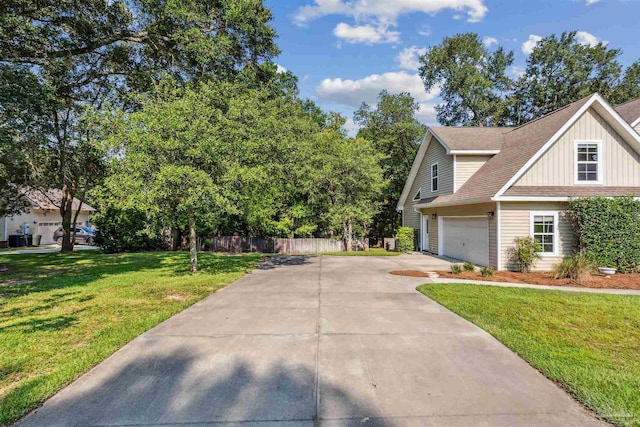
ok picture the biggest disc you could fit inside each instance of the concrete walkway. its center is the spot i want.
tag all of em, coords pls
(47, 249)
(329, 341)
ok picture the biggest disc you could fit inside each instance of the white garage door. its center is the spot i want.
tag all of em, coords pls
(466, 239)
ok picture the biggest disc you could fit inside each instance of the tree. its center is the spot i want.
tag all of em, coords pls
(629, 86)
(344, 175)
(173, 162)
(67, 57)
(396, 134)
(473, 81)
(561, 70)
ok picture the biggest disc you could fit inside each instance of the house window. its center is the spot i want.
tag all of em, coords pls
(588, 165)
(544, 228)
(434, 177)
(418, 196)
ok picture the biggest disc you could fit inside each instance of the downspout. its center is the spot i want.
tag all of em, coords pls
(498, 238)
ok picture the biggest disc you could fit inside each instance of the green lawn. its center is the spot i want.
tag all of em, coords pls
(587, 343)
(370, 252)
(60, 315)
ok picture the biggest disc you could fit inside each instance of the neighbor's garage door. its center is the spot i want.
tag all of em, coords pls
(466, 239)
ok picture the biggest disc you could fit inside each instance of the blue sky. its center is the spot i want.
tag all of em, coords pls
(345, 51)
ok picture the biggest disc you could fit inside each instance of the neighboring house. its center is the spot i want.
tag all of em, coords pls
(472, 191)
(42, 216)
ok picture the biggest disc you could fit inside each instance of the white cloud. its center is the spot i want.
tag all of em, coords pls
(388, 11)
(527, 47)
(367, 34)
(351, 127)
(588, 39)
(427, 113)
(408, 58)
(280, 68)
(590, 2)
(515, 71)
(425, 30)
(354, 92)
(489, 41)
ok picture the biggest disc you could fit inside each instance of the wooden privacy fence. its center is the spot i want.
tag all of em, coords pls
(238, 244)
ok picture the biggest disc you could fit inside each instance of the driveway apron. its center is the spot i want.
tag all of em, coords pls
(307, 341)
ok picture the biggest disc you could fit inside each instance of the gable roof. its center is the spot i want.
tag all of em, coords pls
(50, 199)
(524, 145)
(630, 111)
(470, 138)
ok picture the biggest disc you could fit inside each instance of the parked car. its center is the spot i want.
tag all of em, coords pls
(83, 235)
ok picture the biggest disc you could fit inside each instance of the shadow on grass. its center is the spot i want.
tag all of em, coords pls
(47, 272)
(157, 387)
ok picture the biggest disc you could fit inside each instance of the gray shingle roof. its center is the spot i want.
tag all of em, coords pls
(471, 138)
(520, 144)
(630, 111)
(576, 191)
(51, 199)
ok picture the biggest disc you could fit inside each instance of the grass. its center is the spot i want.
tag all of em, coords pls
(370, 252)
(60, 315)
(29, 248)
(587, 343)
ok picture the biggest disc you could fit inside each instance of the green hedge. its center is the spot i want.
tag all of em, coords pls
(405, 238)
(609, 230)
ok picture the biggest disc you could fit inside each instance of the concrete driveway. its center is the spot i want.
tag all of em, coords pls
(330, 341)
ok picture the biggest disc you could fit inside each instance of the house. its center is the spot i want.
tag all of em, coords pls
(42, 216)
(473, 190)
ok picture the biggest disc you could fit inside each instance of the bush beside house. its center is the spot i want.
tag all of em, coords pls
(608, 230)
(405, 237)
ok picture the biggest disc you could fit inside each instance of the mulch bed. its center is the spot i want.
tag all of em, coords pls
(617, 281)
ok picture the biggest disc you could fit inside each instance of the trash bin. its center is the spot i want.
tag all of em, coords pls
(36, 239)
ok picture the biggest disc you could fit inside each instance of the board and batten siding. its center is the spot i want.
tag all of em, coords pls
(467, 166)
(461, 211)
(621, 165)
(515, 221)
(435, 154)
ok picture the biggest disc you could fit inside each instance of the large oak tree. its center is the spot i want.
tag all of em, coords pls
(58, 59)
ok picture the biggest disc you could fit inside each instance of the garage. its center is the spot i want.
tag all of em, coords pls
(466, 239)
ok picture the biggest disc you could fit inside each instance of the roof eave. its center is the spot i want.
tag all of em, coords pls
(453, 203)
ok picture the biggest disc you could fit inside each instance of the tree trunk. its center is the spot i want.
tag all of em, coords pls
(349, 235)
(67, 243)
(175, 239)
(193, 243)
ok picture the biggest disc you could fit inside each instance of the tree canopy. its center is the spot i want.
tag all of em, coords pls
(472, 80)
(396, 134)
(59, 60)
(478, 88)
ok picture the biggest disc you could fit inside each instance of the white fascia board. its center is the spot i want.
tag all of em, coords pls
(415, 167)
(413, 172)
(473, 152)
(457, 203)
(636, 122)
(531, 199)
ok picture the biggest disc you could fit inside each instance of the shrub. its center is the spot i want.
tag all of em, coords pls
(124, 230)
(405, 237)
(577, 267)
(456, 269)
(526, 253)
(609, 230)
(468, 266)
(486, 272)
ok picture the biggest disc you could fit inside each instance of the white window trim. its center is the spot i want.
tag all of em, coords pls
(575, 162)
(436, 177)
(417, 192)
(556, 231)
